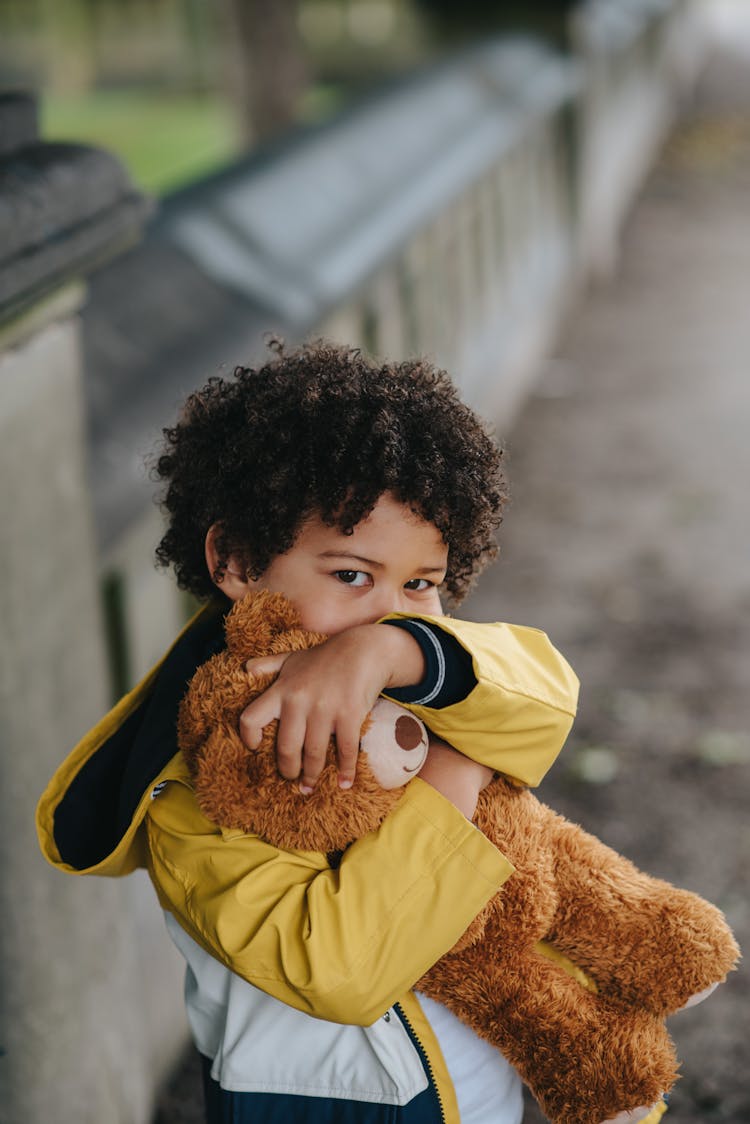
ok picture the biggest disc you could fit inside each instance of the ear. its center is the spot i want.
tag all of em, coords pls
(235, 583)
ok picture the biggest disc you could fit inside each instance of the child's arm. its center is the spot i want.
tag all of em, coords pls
(455, 776)
(514, 719)
(341, 944)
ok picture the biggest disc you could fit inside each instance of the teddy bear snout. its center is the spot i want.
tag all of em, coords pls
(395, 743)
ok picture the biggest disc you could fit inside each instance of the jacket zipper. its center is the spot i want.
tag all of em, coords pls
(423, 1056)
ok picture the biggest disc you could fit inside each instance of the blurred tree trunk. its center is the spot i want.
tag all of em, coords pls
(67, 33)
(454, 22)
(266, 69)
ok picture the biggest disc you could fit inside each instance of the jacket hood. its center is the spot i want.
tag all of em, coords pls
(88, 818)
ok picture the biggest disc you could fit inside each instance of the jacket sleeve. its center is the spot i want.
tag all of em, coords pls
(341, 944)
(517, 717)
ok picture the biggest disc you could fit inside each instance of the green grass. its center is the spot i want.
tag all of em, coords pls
(164, 139)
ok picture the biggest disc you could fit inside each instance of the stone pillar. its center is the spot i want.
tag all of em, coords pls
(86, 1032)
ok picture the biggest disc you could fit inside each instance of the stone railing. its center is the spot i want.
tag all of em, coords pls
(638, 58)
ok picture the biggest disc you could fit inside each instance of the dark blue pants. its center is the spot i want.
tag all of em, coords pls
(226, 1107)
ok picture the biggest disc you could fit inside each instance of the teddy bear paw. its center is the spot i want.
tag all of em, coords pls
(699, 996)
(631, 1117)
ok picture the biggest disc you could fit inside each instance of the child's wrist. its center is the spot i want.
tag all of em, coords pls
(405, 662)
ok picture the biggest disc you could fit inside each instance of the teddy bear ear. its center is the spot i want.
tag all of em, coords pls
(295, 640)
(256, 620)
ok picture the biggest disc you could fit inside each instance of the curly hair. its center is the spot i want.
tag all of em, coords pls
(324, 430)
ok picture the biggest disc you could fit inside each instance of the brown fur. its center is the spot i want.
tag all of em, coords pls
(647, 946)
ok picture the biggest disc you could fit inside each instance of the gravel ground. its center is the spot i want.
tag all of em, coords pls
(628, 541)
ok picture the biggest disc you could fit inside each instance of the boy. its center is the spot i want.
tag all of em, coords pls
(358, 491)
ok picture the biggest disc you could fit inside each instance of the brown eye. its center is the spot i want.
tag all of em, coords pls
(408, 732)
(356, 578)
(418, 584)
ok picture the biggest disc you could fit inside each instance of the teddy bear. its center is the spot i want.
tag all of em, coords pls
(571, 968)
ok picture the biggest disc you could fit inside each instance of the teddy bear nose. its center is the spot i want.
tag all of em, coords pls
(408, 732)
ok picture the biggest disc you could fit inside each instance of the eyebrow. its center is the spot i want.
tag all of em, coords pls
(342, 554)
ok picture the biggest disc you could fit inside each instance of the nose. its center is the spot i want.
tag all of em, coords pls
(390, 601)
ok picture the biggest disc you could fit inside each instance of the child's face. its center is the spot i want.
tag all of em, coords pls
(393, 561)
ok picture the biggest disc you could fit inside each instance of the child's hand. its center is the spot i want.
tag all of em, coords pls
(457, 777)
(328, 690)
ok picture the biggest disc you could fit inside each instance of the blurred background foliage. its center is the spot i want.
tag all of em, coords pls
(178, 88)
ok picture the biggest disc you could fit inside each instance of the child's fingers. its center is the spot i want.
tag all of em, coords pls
(290, 740)
(266, 665)
(267, 705)
(317, 737)
(257, 715)
(347, 751)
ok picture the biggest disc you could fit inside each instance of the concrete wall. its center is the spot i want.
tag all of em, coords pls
(73, 951)
(90, 1012)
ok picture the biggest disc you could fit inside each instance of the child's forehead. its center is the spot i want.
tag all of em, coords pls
(389, 524)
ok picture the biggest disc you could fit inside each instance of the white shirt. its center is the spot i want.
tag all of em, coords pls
(488, 1089)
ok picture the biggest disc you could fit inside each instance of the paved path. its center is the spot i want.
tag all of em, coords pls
(629, 541)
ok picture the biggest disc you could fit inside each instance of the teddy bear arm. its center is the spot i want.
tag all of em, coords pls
(642, 940)
(583, 1059)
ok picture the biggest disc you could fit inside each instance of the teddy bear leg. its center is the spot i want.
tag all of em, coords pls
(606, 1065)
(583, 1059)
(641, 939)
